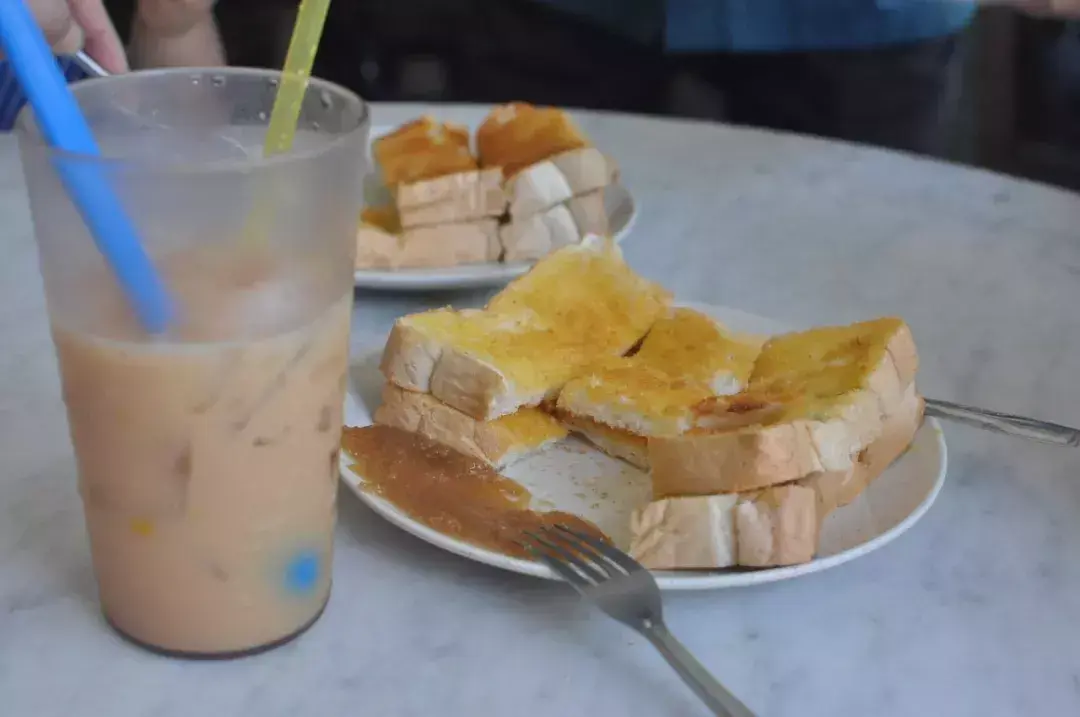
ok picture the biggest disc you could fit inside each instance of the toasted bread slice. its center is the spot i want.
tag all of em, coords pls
(434, 177)
(423, 149)
(459, 197)
(556, 180)
(518, 135)
(816, 399)
(776, 526)
(687, 357)
(575, 307)
(536, 236)
(835, 489)
(381, 243)
(499, 442)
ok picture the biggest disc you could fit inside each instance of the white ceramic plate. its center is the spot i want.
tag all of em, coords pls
(618, 202)
(578, 479)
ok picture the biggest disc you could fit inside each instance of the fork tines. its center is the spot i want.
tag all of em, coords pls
(579, 558)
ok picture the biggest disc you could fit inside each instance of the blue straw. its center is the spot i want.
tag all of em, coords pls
(64, 127)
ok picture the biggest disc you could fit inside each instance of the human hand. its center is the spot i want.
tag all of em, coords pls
(73, 25)
(171, 18)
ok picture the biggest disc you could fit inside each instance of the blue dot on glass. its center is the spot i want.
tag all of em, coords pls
(302, 572)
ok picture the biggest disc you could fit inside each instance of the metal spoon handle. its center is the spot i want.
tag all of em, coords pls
(1004, 423)
(89, 65)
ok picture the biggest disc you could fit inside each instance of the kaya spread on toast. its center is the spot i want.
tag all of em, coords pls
(686, 358)
(750, 444)
(451, 208)
(815, 400)
(575, 307)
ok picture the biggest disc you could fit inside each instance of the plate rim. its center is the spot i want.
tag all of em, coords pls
(666, 580)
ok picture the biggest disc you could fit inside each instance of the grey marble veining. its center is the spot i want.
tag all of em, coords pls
(976, 611)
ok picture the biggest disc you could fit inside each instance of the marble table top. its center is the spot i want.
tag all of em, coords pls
(976, 611)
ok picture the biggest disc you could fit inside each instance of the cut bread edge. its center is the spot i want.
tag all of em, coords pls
(702, 462)
(500, 442)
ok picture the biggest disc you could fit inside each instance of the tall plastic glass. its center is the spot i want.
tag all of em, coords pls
(207, 456)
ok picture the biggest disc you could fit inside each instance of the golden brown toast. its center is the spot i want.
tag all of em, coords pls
(517, 135)
(423, 149)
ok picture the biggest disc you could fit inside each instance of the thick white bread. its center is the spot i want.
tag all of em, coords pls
(499, 442)
(376, 248)
(777, 526)
(815, 401)
(586, 169)
(686, 358)
(836, 489)
(590, 213)
(458, 197)
(556, 180)
(536, 189)
(537, 236)
(617, 443)
(428, 246)
(696, 533)
(575, 307)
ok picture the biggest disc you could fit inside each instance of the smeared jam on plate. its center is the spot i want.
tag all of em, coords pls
(455, 494)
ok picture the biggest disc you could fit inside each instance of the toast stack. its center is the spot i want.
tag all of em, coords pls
(534, 185)
(555, 179)
(445, 209)
(750, 442)
(484, 370)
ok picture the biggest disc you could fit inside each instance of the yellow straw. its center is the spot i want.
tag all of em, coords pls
(281, 131)
(303, 45)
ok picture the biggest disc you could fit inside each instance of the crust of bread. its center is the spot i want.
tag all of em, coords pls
(536, 189)
(425, 352)
(554, 181)
(586, 169)
(615, 442)
(701, 462)
(429, 246)
(779, 526)
(499, 442)
(376, 248)
(537, 236)
(696, 533)
(459, 197)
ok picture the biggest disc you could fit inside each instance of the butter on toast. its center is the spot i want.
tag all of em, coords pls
(780, 525)
(686, 358)
(815, 401)
(382, 243)
(434, 177)
(517, 135)
(500, 442)
(573, 308)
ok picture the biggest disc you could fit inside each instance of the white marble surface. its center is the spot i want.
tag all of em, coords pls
(974, 612)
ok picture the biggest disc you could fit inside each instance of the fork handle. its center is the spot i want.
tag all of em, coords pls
(693, 673)
(1004, 423)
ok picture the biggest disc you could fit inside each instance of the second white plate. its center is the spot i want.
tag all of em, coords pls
(621, 211)
(578, 479)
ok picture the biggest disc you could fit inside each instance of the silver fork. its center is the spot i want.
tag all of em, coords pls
(627, 592)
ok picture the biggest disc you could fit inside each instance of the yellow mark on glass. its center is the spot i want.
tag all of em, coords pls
(143, 527)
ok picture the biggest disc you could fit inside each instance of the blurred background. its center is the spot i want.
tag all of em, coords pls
(1016, 107)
